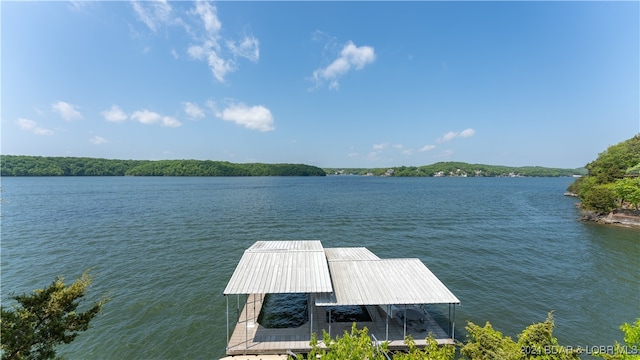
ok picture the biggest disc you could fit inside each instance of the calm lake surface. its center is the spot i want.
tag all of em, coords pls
(511, 249)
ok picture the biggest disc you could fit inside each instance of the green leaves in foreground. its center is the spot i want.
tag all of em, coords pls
(354, 345)
(45, 318)
(630, 350)
(536, 341)
(358, 345)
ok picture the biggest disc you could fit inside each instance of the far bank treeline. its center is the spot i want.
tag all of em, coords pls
(19, 165)
(453, 168)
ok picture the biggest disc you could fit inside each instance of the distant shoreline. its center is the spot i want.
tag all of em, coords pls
(23, 165)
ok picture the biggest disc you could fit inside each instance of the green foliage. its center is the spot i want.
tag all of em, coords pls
(485, 343)
(357, 345)
(627, 190)
(536, 341)
(631, 348)
(612, 181)
(12, 165)
(432, 351)
(45, 318)
(613, 163)
(354, 345)
(600, 198)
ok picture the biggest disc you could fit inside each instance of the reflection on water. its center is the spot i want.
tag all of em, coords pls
(356, 313)
(284, 311)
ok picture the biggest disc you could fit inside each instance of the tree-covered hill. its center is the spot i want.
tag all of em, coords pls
(460, 169)
(612, 181)
(18, 165)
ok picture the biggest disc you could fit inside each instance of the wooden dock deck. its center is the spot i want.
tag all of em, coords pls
(250, 338)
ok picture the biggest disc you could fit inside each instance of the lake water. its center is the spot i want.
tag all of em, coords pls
(511, 249)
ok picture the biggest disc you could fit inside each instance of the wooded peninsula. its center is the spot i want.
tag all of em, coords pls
(19, 165)
(22, 165)
(610, 192)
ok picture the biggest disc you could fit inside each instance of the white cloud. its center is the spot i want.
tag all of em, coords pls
(148, 117)
(115, 114)
(219, 66)
(196, 52)
(33, 127)
(248, 48)
(204, 27)
(380, 146)
(452, 135)
(98, 140)
(448, 136)
(78, 5)
(351, 56)
(66, 111)
(153, 13)
(427, 148)
(211, 104)
(170, 121)
(193, 110)
(209, 16)
(467, 133)
(208, 47)
(254, 117)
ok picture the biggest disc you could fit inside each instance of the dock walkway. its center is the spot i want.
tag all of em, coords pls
(249, 337)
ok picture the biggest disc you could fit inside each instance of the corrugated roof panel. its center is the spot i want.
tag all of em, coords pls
(340, 276)
(281, 267)
(349, 253)
(385, 281)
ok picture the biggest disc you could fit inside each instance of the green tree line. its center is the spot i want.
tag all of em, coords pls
(612, 181)
(19, 165)
(450, 168)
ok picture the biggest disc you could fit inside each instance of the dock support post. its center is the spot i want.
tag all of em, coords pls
(312, 298)
(453, 325)
(227, 297)
(329, 321)
(246, 321)
(404, 332)
(449, 319)
(387, 326)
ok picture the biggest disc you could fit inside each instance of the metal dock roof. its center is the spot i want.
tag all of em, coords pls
(384, 282)
(349, 254)
(281, 267)
(338, 276)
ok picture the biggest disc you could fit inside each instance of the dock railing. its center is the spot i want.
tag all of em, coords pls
(376, 344)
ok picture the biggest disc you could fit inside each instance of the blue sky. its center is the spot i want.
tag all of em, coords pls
(332, 84)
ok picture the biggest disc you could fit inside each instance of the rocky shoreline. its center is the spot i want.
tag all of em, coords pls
(620, 217)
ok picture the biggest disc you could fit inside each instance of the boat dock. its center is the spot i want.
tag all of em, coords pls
(332, 278)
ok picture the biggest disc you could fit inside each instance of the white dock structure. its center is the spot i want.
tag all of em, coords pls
(393, 292)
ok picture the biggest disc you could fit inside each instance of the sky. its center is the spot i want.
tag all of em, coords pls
(331, 84)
